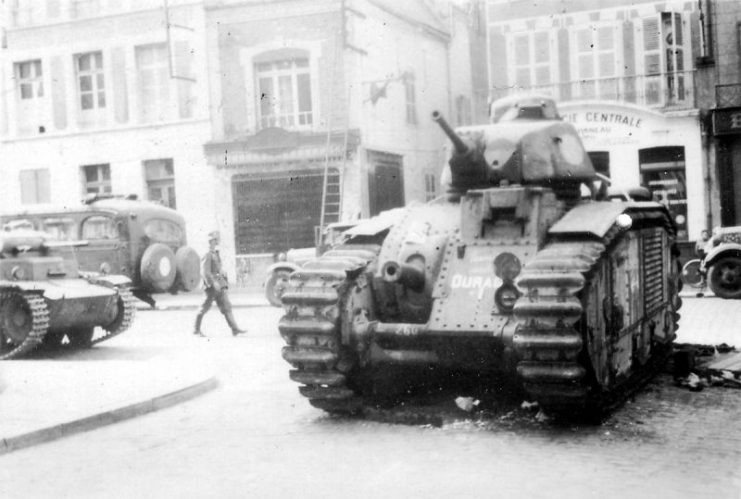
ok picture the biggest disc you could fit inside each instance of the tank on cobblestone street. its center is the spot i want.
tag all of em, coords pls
(526, 268)
(46, 300)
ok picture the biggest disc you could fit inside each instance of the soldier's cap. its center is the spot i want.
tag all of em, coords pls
(213, 235)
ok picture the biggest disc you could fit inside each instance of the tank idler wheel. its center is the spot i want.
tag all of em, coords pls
(24, 320)
(81, 338)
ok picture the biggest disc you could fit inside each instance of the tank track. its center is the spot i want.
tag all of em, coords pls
(554, 367)
(312, 328)
(119, 325)
(39, 321)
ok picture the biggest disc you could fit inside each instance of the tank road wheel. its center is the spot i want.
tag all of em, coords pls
(126, 310)
(725, 277)
(571, 339)
(312, 327)
(276, 286)
(24, 320)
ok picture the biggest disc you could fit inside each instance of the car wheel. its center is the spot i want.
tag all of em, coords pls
(158, 267)
(276, 286)
(725, 277)
(691, 274)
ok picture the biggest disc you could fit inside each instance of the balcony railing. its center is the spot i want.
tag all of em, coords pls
(667, 91)
(728, 95)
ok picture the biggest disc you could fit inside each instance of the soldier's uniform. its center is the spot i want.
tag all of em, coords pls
(215, 285)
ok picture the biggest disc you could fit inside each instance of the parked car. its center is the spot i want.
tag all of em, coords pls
(722, 262)
(291, 260)
(142, 240)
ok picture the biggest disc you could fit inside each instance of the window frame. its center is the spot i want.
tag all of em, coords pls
(158, 105)
(300, 78)
(35, 81)
(105, 183)
(166, 181)
(603, 86)
(532, 65)
(97, 76)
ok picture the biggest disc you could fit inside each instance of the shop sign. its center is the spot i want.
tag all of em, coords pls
(727, 121)
(607, 126)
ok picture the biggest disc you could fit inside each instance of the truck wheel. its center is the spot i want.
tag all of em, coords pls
(725, 277)
(158, 267)
(276, 286)
(188, 266)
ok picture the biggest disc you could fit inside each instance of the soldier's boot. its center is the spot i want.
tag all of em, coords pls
(229, 316)
(197, 328)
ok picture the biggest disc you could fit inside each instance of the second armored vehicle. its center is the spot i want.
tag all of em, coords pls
(45, 299)
(527, 269)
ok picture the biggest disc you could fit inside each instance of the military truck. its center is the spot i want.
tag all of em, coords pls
(46, 300)
(124, 235)
(526, 270)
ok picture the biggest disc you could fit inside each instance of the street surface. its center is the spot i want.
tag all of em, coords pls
(255, 436)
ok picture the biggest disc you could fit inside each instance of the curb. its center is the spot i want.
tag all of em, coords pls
(106, 418)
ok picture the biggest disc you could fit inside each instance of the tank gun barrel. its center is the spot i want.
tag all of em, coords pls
(460, 146)
(409, 276)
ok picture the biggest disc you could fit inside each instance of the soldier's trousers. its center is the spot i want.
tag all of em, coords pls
(222, 301)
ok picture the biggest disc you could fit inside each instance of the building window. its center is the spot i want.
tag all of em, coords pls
(410, 96)
(29, 78)
(595, 63)
(430, 186)
(35, 186)
(96, 179)
(665, 58)
(531, 59)
(154, 83)
(90, 80)
(159, 175)
(284, 93)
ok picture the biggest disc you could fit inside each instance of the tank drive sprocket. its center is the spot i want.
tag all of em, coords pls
(24, 320)
(312, 327)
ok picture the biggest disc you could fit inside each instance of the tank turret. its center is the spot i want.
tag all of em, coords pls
(526, 145)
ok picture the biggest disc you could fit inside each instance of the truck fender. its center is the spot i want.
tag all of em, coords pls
(719, 251)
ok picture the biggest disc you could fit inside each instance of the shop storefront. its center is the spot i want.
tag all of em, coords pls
(727, 132)
(638, 146)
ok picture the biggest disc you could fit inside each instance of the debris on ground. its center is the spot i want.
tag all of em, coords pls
(528, 405)
(467, 404)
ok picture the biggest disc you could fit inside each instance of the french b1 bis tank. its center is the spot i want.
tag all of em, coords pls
(526, 268)
(44, 298)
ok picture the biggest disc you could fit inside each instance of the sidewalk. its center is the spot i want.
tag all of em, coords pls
(240, 298)
(43, 400)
